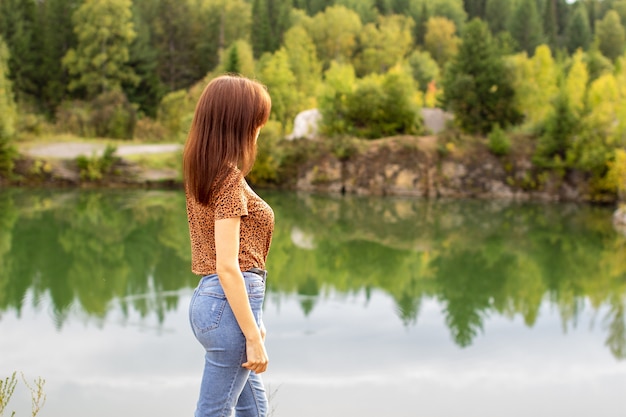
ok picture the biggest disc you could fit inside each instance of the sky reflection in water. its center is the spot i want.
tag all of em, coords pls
(374, 307)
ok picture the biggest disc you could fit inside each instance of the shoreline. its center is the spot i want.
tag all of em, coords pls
(409, 166)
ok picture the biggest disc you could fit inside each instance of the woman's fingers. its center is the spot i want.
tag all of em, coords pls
(256, 366)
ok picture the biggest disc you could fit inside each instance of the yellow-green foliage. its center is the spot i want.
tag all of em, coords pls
(615, 179)
(94, 168)
(535, 83)
(441, 40)
(280, 80)
(98, 23)
(269, 155)
(385, 43)
(576, 83)
(7, 114)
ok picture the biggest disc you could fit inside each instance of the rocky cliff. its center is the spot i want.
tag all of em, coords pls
(424, 167)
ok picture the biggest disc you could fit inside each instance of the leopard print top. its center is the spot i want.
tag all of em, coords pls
(235, 199)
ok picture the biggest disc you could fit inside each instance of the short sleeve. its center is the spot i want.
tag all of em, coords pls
(231, 200)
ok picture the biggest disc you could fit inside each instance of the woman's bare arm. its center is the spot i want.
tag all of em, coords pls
(227, 258)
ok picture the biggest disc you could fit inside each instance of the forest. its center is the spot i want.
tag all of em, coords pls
(551, 73)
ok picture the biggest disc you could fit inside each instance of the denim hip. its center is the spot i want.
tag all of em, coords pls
(226, 385)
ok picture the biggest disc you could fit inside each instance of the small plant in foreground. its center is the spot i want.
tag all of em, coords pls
(94, 168)
(37, 395)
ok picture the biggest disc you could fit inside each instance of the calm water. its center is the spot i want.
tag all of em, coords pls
(375, 307)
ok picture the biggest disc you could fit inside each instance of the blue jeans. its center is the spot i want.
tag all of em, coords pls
(225, 383)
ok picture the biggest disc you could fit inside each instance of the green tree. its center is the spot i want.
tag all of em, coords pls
(597, 63)
(535, 83)
(275, 73)
(450, 9)
(383, 45)
(313, 7)
(56, 36)
(239, 59)
(7, 114)
(17, 27)
(271, 18)
(422, 10)
(303, 63)
(498, 14)
(476, 85)
(440, 39)
(232, 64)
(596, 139)
(526, 27)
(550, 23)
(620, 7)
(149, 90)
(173, 38)
(559, 129)
(365, 9)
(578, 33)
(576, 83)
(424, 68)
(378, 106)
(611, 36)
(475, 8)
(334, 33)
(99, 63)
(218, 24)
(339, 83)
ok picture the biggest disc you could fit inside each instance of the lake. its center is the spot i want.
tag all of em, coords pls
(375, 306)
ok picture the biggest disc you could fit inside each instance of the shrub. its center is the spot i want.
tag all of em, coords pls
(498, 142)
(8, 153)
(150, 130)
(113, 116)
(377, 106)
(269, 155)
(174, 114)
(94, 168)
(74, 117)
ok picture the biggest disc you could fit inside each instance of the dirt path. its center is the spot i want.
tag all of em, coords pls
(70, 150)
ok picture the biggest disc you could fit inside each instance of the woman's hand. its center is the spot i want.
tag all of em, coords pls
(256, 354)
(227, 265)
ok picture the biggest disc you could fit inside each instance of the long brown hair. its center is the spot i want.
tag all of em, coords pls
(223, 132)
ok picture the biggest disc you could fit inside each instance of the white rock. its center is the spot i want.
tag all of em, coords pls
(305, 125)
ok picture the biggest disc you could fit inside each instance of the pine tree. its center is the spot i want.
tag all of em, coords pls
(147, 93)
(476, 86)
(271, 18)
(475, 8)
(401, 6)
(497, 15)
(174, 40)
(578, 30)
(550, 25)
(526, 27)
(232, 64)
(384, 7)
(611, 36)
(18, 28)
(420, 26)
(56, 37)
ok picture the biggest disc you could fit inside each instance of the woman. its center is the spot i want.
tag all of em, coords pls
(231, 230)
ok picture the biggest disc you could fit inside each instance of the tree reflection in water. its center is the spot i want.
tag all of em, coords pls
(95, 251)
